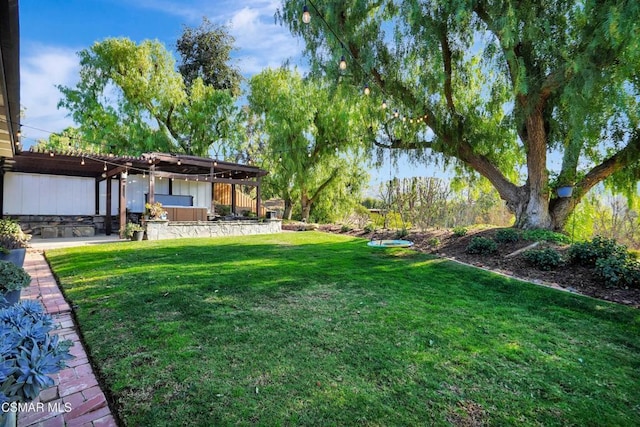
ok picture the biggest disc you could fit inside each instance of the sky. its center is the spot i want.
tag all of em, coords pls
(52, 32)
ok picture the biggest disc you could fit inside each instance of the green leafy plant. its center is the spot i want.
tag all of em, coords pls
(618, 271)
(369, 228)
(481, 246)
(131, 228)
(401, 233)
(543, 259)
(345, 228)
(12, 236)
(29, 352)
(507, 235)
(13, 277)
(460, 231)
(155, 210)
(588, 253)
(543, 235)
(433, 241)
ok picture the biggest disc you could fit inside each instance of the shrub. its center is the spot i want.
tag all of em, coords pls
(543, 259)
(460, 231)
(12, 236)
(544, 235)
(13, 277)
(618, 271)
(481, 246)
(345, 228)
(403, 232)
(507, 235)
(588, 253)
(369, 228)
(434, 241)
(29, 352)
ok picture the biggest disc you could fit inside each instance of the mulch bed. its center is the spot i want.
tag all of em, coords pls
(570, 277)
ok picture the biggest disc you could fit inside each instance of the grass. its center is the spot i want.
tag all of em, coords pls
(318, 329)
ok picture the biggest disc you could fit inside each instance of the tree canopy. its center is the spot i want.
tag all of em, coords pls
(130, 99)
(205, 52)
(310, 144)
(498, 88)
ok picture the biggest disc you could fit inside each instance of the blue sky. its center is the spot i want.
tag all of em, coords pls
(53, 31)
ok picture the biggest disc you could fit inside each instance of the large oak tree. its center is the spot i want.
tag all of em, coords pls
(496, 87)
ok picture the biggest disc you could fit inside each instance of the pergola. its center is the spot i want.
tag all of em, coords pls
(155, 165)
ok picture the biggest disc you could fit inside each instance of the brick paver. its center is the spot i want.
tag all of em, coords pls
(76, 399)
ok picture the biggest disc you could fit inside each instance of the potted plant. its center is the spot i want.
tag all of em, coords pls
(155, 211)
(13, 242)
(12, 279)
(29, 354)
(134, 231)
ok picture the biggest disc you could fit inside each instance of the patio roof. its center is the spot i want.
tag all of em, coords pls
(101, 166)
(9, 77)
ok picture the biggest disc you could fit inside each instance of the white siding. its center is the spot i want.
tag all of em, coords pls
(115, 196)
(35, 194)
(201, 192)
(137, 187)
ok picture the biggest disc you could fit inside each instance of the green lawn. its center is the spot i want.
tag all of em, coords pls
(318, 329)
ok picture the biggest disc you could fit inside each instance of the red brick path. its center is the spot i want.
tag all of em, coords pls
(76, 399)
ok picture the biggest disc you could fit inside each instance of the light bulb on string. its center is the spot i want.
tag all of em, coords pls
(179, 162)
(343, 63)
(367, 90)
(306, 16)
(51, 153)
(396, 113)
(105, 166)
(384, 104)
(82, 162)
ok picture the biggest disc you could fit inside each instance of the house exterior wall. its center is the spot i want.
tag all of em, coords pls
(34, 194)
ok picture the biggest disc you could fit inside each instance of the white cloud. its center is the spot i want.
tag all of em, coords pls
(260, 41)
(41, 69)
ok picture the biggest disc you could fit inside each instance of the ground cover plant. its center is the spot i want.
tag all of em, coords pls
(312, 328)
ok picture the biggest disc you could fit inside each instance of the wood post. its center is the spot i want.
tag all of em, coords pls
(123, 204)
(107, 218)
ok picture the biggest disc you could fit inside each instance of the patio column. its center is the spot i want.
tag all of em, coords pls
(107, 218)
(233, 199)
(123, 203)
(258, 198)
(152, 184)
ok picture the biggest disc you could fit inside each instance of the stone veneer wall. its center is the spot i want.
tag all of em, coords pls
(159, 230)
(49, 226)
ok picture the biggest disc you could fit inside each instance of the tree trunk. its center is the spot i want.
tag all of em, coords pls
(288, 208)
(305, 205)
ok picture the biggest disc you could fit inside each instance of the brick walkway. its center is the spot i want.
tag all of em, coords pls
(76, 399)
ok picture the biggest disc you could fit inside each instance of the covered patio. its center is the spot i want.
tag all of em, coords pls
(185, 185)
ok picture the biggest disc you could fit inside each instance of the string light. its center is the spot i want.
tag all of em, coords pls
(105, 166)
(82, 162)
(343, 63)
(367, 90)
(306, 16)
(384, 104)
(179, 162)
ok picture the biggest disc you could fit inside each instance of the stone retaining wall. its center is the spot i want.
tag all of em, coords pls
(160, 230)
(50, 226)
